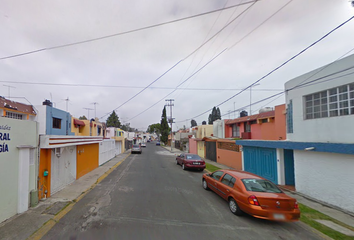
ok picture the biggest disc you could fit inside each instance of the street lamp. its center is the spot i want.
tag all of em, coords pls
(251, 97)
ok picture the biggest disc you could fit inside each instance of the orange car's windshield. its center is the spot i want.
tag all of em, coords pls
(260, 185)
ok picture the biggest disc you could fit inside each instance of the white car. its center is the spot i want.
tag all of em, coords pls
(143, 145)
(136, 149)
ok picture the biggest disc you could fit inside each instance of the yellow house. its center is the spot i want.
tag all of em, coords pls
(203, 131)
(11, 109)
(86, 127)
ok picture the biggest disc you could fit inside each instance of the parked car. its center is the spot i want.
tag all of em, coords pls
(252, 194)
(191, 161)
(158, 143)
(143, 145)
(136, 149)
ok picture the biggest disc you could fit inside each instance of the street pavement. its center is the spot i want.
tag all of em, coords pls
(83, 205)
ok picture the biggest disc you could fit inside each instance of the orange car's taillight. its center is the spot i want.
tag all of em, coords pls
(296, 205)
(253, 200)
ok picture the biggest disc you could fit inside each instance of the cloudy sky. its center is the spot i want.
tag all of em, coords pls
(200, 61)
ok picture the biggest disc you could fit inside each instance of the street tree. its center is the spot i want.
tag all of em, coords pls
(193, 123)
(164, 130)
(83, 117)
(154, 128)
(113, 120)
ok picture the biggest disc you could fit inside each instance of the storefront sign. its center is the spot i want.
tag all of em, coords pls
(4, 138)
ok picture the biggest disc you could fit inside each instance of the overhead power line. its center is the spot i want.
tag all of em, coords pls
(186, 58)
(179, 85)
(301, 85)
(280, 66)
(133, 87)
(123, 33)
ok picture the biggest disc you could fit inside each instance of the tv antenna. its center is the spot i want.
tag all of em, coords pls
(88, 112)
(67, 101)
(95, 103)
(9, 87)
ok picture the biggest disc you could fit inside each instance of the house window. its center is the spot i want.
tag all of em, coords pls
(289, 117)
(14, 115)
(56, 123)
(235, 130)
(247, 127)
(265, 120)
(333, 102)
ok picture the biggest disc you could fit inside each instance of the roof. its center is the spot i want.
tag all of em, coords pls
(16, 106)
(79, 122)
(210, 139)
(252, 117)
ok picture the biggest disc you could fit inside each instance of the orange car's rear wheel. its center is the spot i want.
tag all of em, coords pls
(234, 207)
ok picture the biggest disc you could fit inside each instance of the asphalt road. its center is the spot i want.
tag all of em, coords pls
(149, 197)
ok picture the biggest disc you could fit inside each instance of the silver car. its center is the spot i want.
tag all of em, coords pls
(136, 149)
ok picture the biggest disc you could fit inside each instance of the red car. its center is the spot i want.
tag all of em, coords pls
(191, 161)
(252, 194)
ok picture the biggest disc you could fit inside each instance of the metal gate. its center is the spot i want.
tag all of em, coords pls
(118, 147)
(261, 161)
(63, 169)
(210, 149)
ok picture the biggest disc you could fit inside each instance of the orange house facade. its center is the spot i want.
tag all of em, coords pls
(63, 159)
(268, 125)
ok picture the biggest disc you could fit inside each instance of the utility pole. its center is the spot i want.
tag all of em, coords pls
(95, 103)
(88, 112)
(9, 87)
(170, 104)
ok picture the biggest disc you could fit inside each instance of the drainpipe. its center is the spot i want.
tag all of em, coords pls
(91, 127)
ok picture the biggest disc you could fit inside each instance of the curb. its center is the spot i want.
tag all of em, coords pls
(51, 222)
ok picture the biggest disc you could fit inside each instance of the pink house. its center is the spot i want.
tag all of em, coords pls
(269, 125)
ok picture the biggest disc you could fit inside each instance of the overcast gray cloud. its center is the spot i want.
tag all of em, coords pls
(138, 58)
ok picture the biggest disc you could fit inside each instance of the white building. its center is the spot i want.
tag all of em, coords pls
(318, 155)
(18, 158)
(320, 112)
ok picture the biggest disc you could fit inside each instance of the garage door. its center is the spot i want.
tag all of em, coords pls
(63, 168)
(261, 161)
(210, 149)
(118, 147)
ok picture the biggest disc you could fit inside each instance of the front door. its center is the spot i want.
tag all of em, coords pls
(289, 167)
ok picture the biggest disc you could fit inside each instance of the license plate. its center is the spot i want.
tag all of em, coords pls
(278, 216)
(196, 163)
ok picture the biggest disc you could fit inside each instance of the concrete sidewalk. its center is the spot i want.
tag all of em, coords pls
(36, 219)
(312, 203)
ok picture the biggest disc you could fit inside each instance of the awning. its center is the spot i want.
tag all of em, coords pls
(79, 122)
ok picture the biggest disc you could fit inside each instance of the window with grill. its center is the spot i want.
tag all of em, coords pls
(56, 123)
(14, 115)
(235, 131)
(289, 117)
(333, 102)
